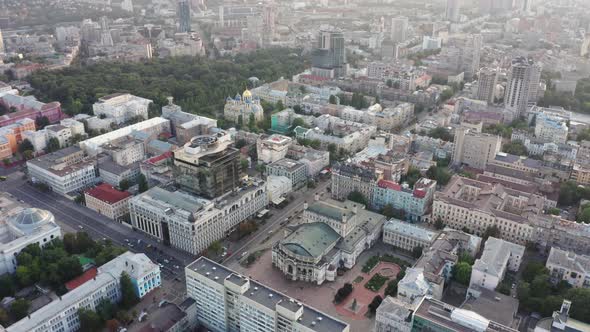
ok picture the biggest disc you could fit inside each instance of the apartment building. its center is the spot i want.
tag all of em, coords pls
(62, 314)
(151, 128)
(108, 201)
(64, 171)
(407, 236)
(292, 169)
(122, 107)
(272, 148)
(29, 107)
(474, 148)
(347, 178)
(415, 203)
(551, 128)
(498, 257)
(314, 160)
(228, 301)
(569, 266)
(186, 125)
(388, 118)
(477, 205)
(192, 223)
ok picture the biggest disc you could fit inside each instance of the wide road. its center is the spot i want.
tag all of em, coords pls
(74, 217)
(279, 216)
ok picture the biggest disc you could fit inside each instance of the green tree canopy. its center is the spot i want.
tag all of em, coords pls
(357, 197)
(128, 296)
(462, 273)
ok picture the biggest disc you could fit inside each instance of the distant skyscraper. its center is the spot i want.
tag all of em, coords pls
(486, 84)
(184, 16)
(399, 29)
(329, 56)
(105, 32)
(453, 10)
(1, 43)
(522, 86)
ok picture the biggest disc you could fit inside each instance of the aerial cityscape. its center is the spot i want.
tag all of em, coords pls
(295, 165)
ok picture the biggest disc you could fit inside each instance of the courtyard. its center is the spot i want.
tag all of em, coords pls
(321, 296)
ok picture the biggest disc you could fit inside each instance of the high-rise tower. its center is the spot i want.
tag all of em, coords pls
(399, 29)
(452, 12)
(522, 86)
(184, 16)
(329, 56)
(486, 84)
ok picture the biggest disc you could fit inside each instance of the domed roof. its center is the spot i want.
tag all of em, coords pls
(31, 218)
(247, 94)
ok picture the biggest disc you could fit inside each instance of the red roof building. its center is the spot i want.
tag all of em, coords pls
(107, 200)
(78, 281)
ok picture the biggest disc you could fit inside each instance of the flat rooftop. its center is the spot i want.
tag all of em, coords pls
(312, 319)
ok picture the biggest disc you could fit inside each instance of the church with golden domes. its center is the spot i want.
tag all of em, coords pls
(242, 107)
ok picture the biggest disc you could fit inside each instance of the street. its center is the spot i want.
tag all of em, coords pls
(279, 216)
(73, 218)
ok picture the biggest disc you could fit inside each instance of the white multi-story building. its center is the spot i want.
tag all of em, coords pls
(62, 314)
(21, 226)
(407, 236)
(498, 257)
(122, 107)
(61, 133)
(292, 169)
(277, 188)
(64, 171)
(272, 148)
(523, 85)
(37, 138)
(151, 127)
(394, 315)
(551, 128)
(227, 301)
(474, 148)
(191, 223)
(568, 266)
(382, 118)
(486, 84)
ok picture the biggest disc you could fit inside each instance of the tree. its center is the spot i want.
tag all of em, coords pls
(554, 211)
(580, 298)
(440, 174)
(388, 211)
(89, 320)
(439, 224)
(446, 95)
(533, 269)
(113, 325)
(19, 309)
(441, 133)
(142, 183)
(7, 285)
(333, 100)
(357, 197)
(41, 122)
(106, 309)
(584, 216)
(375, 304)
(215, 247)
(462, 273)
(279, 106)
(417, 252)
(244, 164)
(52, 145)
(128, 296)
(391, 289)
(28, 154)
(25, 145)
(412, 176)
(343, 292)
(515, 148)
(492, 231)
(568, 193)
(4, 319)
(297, 122)
(241, 143)
(467, 258)
(124, 184)
(389, 83)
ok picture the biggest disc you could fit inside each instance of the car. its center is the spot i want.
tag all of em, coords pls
(244, 253)
(2, 178)
(160, 265)
(126, 240)
(176, 267)
(130, 245)
(166, 261)
(224, 254)
(104, 238)
(80, 227)
(513, 286)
